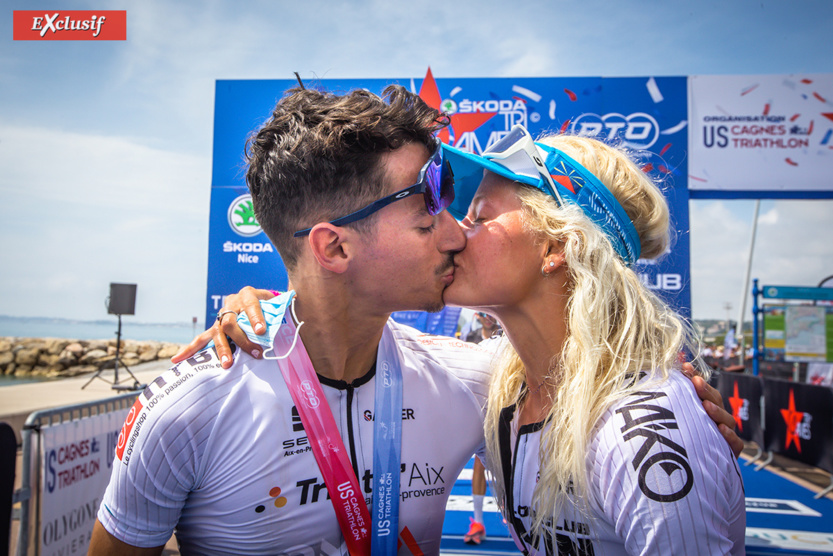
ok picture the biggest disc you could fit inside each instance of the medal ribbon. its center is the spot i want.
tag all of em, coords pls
(328, 447)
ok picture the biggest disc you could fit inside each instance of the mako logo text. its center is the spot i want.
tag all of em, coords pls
(70, 25)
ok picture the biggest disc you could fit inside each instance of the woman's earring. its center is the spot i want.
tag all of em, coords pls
(544, 271)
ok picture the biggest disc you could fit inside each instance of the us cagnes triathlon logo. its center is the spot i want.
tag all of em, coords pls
(241, 217)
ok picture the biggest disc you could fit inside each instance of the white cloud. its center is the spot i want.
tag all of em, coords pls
(80, 211)
(792, 247)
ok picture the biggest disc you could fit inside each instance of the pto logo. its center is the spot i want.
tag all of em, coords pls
(241, 217)
(798, 424)
(637, 131)
(308, 392)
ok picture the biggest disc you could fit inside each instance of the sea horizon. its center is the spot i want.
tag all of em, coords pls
(99, 329)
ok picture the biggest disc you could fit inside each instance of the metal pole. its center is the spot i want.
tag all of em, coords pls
(756, 345)
(744, 292)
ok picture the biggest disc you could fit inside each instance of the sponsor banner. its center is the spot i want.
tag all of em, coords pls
(70, 25)
(742, 395)
(644, 114)
(799, 422)
(761, 136)
(239, 254)
(77, 458)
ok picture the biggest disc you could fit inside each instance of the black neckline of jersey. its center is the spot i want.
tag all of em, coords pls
(344, 385)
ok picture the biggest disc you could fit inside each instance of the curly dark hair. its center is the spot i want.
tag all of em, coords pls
(317, 157)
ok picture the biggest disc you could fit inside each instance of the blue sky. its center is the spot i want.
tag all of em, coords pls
(105, 147)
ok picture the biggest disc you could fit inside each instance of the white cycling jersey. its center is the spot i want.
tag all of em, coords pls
(662, 480)
(222, 455)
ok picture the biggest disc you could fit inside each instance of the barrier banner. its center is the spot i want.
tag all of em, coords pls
(646, 115)
(77, 458)
(742, 396)
(761, 136)
(799, 421)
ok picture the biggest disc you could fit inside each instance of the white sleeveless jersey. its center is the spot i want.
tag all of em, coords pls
(222, 455)
(662, 480)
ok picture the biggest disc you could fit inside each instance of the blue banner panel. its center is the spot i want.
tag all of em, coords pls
(443, 323)
(645, 115)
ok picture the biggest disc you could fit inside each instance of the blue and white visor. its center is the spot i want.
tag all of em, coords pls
(573, 183)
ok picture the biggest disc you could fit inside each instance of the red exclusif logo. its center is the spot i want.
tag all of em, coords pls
(70, 25)
(127, 427)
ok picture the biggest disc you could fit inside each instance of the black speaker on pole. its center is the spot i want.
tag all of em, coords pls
(122, 299)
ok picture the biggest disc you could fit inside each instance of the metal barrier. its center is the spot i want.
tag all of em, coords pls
(34, 424)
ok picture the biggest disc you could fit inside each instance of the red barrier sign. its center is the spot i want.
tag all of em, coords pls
(70, 25)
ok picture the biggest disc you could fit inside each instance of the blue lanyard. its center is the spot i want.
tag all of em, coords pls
(387, 449)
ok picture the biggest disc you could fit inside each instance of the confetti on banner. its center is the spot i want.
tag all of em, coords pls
(827, 137)
(552, 109)
(571, 94)
(653, 90)
(795, 117)
(675, 129)
(455, 90)
(818, 96)
(695, 178)
(806, 81)
(791, 162)
(664, 169)
(810, 129)
(564, 127)
(664, 149)
(749, 89)
(648, 167)
(766, 109)
(828, 115)
(534, 97)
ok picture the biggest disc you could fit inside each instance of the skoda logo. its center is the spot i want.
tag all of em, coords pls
(241, 217)
(448, 106)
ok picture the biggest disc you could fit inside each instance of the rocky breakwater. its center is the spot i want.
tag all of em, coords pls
(56, 357)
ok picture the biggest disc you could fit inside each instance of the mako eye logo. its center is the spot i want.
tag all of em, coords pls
(241, 217)
(636, 131)
(70, 25)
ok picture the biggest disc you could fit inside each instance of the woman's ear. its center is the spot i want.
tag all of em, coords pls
(553, 256)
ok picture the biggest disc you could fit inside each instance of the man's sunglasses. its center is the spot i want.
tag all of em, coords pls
(435, 182)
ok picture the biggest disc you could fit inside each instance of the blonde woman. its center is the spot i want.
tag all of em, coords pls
(597, 442)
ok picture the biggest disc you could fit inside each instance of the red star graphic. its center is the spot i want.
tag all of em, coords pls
(461, 123)
(792, 418)
(737, 403)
